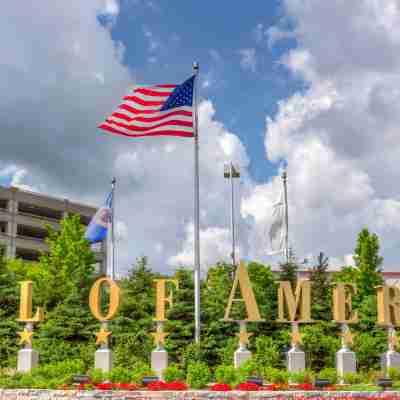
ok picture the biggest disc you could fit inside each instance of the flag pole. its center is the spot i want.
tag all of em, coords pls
(196, 212)
(112, 247)
(284, 180)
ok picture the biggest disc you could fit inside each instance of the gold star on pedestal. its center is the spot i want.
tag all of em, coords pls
(348, 337)
(26, 336)
(159, 337)
(243, 337)
(102, 336)
(296, 335)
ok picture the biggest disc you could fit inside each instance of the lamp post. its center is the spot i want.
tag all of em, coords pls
(231, 172)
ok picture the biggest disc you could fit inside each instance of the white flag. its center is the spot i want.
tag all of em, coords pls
(277, 229)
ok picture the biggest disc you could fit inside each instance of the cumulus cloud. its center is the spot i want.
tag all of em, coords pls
(338, 134)
(61, 92)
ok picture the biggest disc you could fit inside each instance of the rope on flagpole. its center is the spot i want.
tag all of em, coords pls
(197, 310)
(112, 248)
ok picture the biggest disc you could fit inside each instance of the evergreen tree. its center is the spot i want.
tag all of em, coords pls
(368, 263)
(321, 289)
(289, 269)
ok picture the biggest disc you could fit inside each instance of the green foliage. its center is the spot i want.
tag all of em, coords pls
(119, 375)
(97, 375)
(368, 263)
(353, 378)
(275, 375)
(139, 370)
(174, 372)
(394, 373)
(321, 290)
(226, 374)
(267, 352)
(198, 375)
(306, 376)
(330, 374)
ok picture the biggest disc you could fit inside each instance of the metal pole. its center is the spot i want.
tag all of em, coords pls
(112, 247)
(284, 179)
(232, 217)
(196, 212)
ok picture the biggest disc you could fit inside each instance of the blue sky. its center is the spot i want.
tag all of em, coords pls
(162, 41)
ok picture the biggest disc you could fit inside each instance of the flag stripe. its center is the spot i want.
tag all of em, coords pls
(151, 92)
(120, 131)
(126, 116)
(142, 102)
(171, 119)
(137, 128)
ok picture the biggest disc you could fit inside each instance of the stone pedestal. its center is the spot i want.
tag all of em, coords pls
(390, 359)
(103, 359)
(345, 362)
(240, 356)
(27, 359)
(159, 361)
(296, 360)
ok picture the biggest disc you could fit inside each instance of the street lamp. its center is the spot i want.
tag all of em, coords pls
(231, 172)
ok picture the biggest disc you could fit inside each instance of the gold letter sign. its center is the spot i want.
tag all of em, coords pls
(161, 299)
(299, 301)
(388, 298)
(342, 307)
(95, 299)
(25, 305)
(242, 278)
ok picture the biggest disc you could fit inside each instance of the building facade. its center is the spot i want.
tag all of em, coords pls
(24, 215)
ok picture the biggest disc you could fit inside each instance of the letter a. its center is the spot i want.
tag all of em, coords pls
(242, 279)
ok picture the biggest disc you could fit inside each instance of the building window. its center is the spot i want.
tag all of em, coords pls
(27, 254)
(3, 226)
(3, 204)
(39, 211)
(31, 232)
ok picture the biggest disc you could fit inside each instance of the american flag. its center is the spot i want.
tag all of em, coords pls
(160, 110)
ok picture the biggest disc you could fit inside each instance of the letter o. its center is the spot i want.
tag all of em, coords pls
(95, 299)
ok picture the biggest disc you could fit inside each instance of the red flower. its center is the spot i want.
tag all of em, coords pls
(221, 387)
(104, 386)
(81, 386)
(176, 385)
(126, 386)
(302, 386)
(158, 385)
(271, 386)
(247, 386)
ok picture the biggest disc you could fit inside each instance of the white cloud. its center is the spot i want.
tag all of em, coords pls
(338, 135)
(248, 59)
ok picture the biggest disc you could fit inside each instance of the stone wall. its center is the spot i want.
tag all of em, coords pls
(42, 394)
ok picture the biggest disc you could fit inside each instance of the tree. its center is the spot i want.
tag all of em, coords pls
(321, 289)
(289, 269)
(368, 263)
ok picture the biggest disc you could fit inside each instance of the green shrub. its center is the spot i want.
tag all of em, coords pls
(173, 373)
(330, 374)
(96, 375)
(198, 375)
(267, 352)
(226, 374)
(363, 387)
(248, 368)
(353, 378)
(306, 376)
(119, 375)
(274, 375)
(139, 371)
(394, 373)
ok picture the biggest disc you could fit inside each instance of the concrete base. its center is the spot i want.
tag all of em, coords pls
(240, 356)
(296, 360)
(103, 360)
(390, 359)
(159, 361)
(345, 362)
(27, 359)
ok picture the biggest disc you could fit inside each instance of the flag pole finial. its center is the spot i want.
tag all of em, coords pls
(196, 67)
